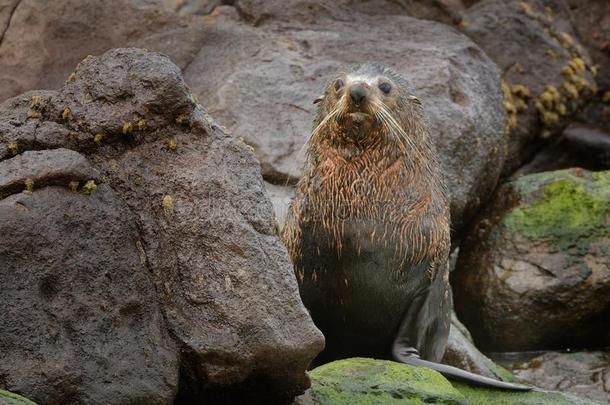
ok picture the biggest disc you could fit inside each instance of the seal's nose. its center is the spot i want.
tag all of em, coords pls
(358, 93)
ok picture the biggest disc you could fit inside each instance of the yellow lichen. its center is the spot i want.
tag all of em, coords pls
(138, 181)
(509, 106)
(567, 71)
(578, 65)
(89, 187)
(571, 90)
(594, 70)
(521, 91)
(72, 77)
(141, 125)
(525, 8)
(172, 144)
(98, 138)
(36, 101)
(552, 54)
(550, 118)
(548, 10)
(74, 185)
(88, 97)
(127, 128)
(13, 147)
(242, 140)
(567, 39)
(34, 114)
(66, 114)
(29, 186)
(168, 204)
(606, 97)
(519, 67)
(181, 119)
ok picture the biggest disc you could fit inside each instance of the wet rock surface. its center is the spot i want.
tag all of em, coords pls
(578, 146)
(534, 272)
(156, 223)
(368, 381)
(586, 374)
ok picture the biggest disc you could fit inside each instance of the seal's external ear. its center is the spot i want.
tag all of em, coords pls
(320, 98)
(415, 100)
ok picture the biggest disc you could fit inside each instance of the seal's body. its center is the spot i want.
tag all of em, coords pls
(369, 226)
(368, 229)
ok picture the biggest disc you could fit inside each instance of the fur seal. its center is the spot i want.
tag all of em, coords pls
(368, 229)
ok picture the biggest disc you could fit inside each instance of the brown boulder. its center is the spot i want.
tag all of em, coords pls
(534, 272)
(81, 319)
(207, 240)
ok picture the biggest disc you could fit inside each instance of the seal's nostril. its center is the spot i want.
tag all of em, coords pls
(357, 94)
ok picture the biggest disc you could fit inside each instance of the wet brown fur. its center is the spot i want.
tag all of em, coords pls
(371, 172)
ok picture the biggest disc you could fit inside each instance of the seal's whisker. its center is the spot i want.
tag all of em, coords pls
(390, 121)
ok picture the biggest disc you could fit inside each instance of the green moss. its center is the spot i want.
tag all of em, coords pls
(89, 187)
(564, 207)
(369, 381)
(483, 396)
(503, 373)
(9, 398)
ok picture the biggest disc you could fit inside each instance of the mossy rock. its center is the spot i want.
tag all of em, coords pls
(483, 396)
(567, 207)
(541, 250)
(367, 381)
(362, 381)
(9, 398)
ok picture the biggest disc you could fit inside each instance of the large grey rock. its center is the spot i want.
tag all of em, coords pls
(586, 374)
(260, 82)
(534, 272)
(41, 41)
(81, 319)
(205, 225)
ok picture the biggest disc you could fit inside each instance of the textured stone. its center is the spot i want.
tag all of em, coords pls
(195, 199)
(534, 272)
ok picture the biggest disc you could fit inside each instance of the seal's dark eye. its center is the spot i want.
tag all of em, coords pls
(338, 85)
(385, 87)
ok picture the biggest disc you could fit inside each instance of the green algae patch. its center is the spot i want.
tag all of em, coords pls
(566, 207)
(484, 396)
(10, 398)
(361, 381)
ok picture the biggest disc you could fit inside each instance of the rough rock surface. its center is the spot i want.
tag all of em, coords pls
(367, 381)
(545, 85)
(578, 146)
(42, 41)
(586, 374)
(189, 212)
(592, 21)
(82, 304)
(534, 272)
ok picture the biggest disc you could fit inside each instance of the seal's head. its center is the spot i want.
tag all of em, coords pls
(365, 104)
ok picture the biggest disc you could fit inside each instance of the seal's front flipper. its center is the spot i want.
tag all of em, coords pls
(409, 355)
